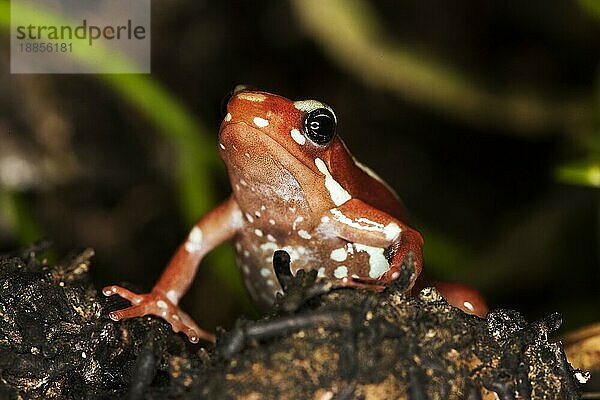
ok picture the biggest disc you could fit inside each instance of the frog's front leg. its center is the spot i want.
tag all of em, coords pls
(362, 224)
(219, 225)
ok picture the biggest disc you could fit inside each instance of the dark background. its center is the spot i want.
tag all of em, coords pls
(486, 174)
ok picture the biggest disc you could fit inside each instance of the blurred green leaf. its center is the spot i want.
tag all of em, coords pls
(15, 213)
(580, 173)
(441, 254)
(591, 6)
(197, 161)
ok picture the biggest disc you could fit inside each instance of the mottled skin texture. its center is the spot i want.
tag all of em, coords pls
(312, 200)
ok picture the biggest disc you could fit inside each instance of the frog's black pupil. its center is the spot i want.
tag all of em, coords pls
(319, 126)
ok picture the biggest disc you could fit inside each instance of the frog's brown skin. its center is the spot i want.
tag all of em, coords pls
(312, 200)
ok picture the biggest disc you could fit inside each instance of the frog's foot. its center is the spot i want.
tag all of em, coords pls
(406, 260)
(156, 303)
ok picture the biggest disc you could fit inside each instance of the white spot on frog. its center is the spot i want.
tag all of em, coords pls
(195, 235)
(298, 137)
(304, 235)
(338, 194)
(264, 272)
(339, 254)
(193, 243)
(222, 146)
(172, 296)
(377, 262)
(260, 122)
(268, 247)
(272, 221)
(249, 218)
(341, 272)
(270, 282)
(295, 252)
(161, 304)
(228, 117)
(258, 232)
(392, 231)
(298, 219)
(321, 272)
(350, 248)
(468, 305)
(271, 238)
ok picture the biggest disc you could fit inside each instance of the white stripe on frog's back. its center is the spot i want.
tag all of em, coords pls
(338, 194)
(391, 231)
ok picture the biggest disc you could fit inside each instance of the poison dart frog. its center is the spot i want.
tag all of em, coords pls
(296, 187)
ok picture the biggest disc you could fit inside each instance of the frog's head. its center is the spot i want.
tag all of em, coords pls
(263, 132)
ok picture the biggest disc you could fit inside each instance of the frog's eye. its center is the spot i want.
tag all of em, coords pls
(319, 125)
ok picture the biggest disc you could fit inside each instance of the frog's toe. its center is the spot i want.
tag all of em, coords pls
(182, 322)
(129, 312)
(134, 298)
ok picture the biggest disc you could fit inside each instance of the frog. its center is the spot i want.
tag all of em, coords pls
(295, 187)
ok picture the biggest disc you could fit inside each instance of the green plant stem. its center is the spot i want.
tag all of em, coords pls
(197, 161)
(351, 34)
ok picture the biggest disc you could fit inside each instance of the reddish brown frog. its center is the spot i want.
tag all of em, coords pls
(296, 187)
